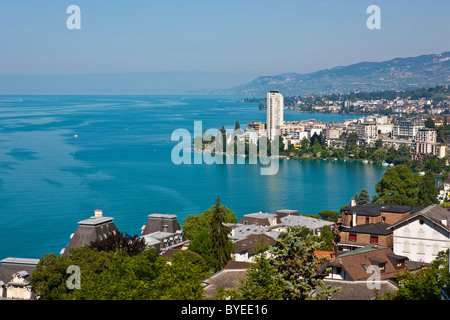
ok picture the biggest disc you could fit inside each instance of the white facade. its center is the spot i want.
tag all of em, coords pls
(420, 238)
(275, 120)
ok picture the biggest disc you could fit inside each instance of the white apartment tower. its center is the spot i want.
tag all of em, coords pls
(274, 113)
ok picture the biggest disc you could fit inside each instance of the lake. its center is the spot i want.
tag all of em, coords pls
(62, 157)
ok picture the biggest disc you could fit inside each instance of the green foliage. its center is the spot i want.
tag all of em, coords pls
(326, 239)
(363, 197)
(429, 123)
(427, 190)
(221, 245)
(297, 265)
(201, 244)
(329, 215)
(261, 281)
(194, 223)
(115, 275)
(422, 285)
(132, 245)
(379, 155)
(351, 142)
(398, 185)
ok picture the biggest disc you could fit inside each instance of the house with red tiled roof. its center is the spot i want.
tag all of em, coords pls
(362, 263)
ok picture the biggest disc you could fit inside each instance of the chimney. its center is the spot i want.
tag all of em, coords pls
(98, 213)
(353, 202)
(354, 219)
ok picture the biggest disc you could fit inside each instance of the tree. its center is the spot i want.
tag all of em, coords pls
(351, 142)
(261, 281)
(363, 197)
(427, 190)
(132, 245)
(195, 223)
(398, 185)
(329, 215)
(326, 239)
(297, 265)
(221, 246)
(304, 144)
(422, 285)
(115, 275)
(379, 155)
(237, 126)
(201, 244)
(429, 123)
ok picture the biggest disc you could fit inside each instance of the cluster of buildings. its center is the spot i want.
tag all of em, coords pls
(161, 231)
(397, 105)
(392, 130)
(368, 239)
(391, 237)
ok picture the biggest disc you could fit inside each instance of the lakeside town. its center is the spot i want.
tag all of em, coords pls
(378, 248)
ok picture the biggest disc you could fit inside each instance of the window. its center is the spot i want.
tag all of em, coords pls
(383, 219)
(364, 266)
(381, 266)
(352, 237)
(399, 263)
(367, 220)
(373, 239)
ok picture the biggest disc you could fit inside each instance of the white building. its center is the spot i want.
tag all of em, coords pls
(421, 235)
(275, 110)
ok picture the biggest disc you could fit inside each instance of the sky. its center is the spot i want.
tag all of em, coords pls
(246, 37)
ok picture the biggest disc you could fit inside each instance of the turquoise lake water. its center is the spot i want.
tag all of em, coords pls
(120, 162)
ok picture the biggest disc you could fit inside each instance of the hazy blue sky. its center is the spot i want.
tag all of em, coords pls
(254, 37)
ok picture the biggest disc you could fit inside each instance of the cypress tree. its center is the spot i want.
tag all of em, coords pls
(221, 246)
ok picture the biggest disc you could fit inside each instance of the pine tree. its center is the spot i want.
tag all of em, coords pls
(363, 197)
(297, 265)
(221, 246)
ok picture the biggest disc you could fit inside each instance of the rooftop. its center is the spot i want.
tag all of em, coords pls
(380, 228)
(434, 213)
(93, 221)
(162, 215)
(311, 223)
(375, 209)
(20, 261)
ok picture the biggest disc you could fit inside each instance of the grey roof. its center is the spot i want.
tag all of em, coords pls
(380, 228)
(21, 261)
(260, 215)
(375, 209)
(149, 240)
(358, 290)
(225, 279)
(162, 215)
(161, 222)
(89, 230)
(93, 221)
(311, 223)
(11, 266)
(434, 213)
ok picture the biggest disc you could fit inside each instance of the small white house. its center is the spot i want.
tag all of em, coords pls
(423, 234)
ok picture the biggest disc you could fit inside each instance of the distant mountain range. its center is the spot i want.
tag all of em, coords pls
(396, 74)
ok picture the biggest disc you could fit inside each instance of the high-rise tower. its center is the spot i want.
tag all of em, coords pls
(274, 113)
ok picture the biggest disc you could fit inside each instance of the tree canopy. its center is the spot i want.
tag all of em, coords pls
(116, 275)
